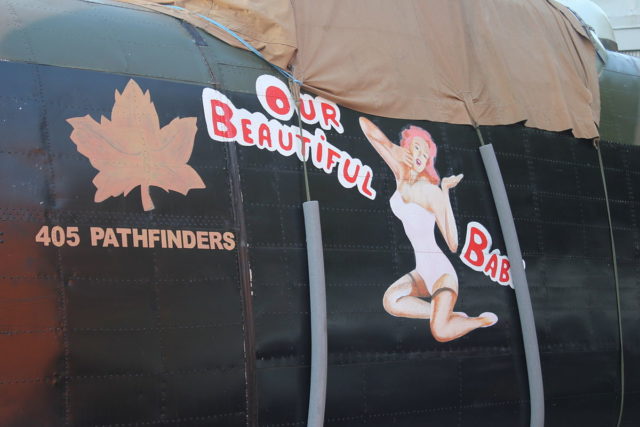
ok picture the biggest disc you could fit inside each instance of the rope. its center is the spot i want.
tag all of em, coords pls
(240, 39)
(466, 99)
(596, 143)
(477, 128)
(294, 85)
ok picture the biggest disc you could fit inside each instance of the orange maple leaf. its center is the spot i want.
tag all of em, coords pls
(132, 150)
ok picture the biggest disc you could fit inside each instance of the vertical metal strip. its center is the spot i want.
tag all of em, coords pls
(62, 281)
(245, 285)
(519, 277)
(244, 267)
(200, 43)
(614, 260)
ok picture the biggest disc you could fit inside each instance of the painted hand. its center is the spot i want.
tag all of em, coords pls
(451, 181)
(407, 159)
(371, 130)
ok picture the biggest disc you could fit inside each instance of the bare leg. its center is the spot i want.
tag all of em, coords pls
(445, 325)
(402, 298)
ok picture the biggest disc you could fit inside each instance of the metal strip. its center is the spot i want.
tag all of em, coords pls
(244, 266)
(245, 285)
(614, 260)
(194, 33)
(240, 39)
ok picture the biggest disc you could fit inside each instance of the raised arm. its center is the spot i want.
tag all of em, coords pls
(444, 214)
(391, 153)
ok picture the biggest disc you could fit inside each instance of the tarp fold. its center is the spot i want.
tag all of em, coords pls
(512, 61)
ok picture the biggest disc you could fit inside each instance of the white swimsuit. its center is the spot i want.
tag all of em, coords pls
(419, 226)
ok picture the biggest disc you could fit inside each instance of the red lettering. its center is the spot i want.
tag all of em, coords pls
(366, 188)
(246, 131)
(288, 147)
(492, 266)
(277, 100)
(350, 179)
(504, 271)
(478, 243)
(329, 115)
(221, 115)
(308, 115)
(305, 142)
(264, 135)
(319, 152)
(332, 157)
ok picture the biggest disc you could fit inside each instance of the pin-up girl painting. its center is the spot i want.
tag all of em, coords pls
(421, 201)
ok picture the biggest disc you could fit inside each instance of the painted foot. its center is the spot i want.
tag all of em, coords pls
(460, 314)
(489, 318)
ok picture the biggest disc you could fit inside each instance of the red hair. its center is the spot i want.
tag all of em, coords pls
(429, 170)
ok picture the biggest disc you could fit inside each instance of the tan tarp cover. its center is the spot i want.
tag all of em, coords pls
(498, 61)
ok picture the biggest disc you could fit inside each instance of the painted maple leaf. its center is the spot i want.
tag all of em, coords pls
(132, 150)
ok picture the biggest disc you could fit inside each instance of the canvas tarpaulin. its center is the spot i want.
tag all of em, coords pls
(456, 61)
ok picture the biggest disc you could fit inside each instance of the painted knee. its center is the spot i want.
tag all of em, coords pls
(439, 332)
(449, 282)
(389, 301)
